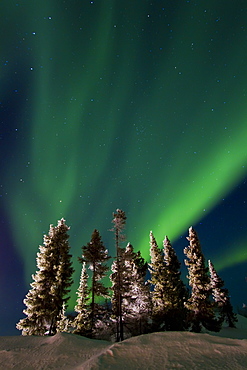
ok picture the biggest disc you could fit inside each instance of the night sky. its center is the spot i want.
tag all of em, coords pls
(139, 105)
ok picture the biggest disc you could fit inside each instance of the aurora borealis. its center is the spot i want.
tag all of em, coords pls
(139, 105)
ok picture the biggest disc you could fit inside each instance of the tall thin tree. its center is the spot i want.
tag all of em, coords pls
(96, 255)
(49, 293)
(175, 293)
(200, 307)
(119, 221)
(157, 271)
(135, 292)
(82, 322)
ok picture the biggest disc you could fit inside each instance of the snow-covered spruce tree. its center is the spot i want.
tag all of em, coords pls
(96, 255)
(158, 278)
(136, 304)
(141, 299)
(51, 284)
(175, 294)
(82, 322)
(63, 322)
(119, 221)
(200, 307)
(116, 279)
(221, 298)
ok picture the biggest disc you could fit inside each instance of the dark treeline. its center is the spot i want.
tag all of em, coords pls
(132, 304)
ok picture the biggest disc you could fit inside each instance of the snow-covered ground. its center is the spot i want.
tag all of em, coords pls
(167, 350)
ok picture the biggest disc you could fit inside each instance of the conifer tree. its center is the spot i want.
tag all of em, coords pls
(221, 298)
(169, 292)
(199, 305)
(157, 270)
(51, 285)
(175, 291)
(116, 278)
(63, 322)
(142, 266)
(135, 301)
(136, 293)
(96, 255)
(119, 221)
(82, 322)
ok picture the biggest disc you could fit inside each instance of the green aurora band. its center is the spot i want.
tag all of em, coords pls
(123, 113)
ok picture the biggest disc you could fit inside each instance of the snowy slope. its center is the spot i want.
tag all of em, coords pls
(168, 350)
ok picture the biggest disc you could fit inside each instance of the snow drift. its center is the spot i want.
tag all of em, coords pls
(166, 350)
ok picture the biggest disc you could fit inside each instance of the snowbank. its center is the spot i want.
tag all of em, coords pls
(168, 350)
